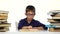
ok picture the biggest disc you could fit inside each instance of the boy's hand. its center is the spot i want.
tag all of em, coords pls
(27, 27)
(24, 27)
(30, 27)
(39, 28)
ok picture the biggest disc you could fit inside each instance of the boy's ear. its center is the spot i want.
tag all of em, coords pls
(25, 13)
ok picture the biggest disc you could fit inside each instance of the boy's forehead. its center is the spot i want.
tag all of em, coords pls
(30, 12)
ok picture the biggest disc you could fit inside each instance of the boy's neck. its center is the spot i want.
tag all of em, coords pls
(29, 21)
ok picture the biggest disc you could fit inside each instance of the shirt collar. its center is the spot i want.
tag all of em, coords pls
(26, 20)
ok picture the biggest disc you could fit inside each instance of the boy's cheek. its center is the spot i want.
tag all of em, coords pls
(30, 17)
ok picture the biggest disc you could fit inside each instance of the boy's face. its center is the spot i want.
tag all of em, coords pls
(30, 14)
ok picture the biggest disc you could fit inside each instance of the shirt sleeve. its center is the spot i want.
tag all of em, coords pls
(20, 25)
(40, 24)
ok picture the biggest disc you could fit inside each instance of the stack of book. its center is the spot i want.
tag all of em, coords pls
(55, 21)
(4, 25)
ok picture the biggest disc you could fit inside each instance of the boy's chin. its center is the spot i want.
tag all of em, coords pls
(30, 18)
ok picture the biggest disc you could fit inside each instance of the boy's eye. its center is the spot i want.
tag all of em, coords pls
(30, 14)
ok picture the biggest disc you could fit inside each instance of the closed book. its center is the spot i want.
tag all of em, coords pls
(54, 29)
(54, 12)
(4, 14)
(55, 24)
(3, 17)
(4, 30)
(53, 20)
(5, 25)
(3, 20)
(55, 17)
(1, 11)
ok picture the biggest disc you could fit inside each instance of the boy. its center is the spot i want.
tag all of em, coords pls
(29, 22)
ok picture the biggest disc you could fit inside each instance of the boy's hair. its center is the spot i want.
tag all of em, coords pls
(30, 7)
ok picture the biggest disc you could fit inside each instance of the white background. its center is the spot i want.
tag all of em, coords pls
(16, 10)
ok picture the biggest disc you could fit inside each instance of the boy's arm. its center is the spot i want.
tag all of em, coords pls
(39, 28)
(27, 27)
(20, 25)
(30, 27)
